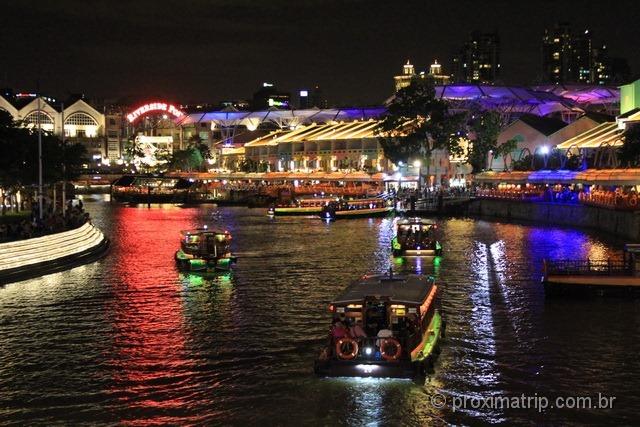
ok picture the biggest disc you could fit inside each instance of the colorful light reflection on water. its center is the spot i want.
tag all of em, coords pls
(130, 340)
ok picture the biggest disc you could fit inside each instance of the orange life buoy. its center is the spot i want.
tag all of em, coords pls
(633, 201)
(346, 354)
(396, 352)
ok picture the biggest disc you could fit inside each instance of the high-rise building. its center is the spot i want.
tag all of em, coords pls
(601, 67)
(569, 57)
(478, 61)
(268, 96)
(317, 98)
(557, 52)
(582, 58)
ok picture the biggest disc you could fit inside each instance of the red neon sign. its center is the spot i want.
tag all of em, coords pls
(155, 106)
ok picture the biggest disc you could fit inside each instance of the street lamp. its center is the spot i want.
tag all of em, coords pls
(418, 164)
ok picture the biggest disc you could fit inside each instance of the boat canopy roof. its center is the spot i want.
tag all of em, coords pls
(202, 232)
(411, 221)
(409, 289)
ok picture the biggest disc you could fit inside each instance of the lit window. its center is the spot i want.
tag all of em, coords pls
(80, 119)
(32, 118)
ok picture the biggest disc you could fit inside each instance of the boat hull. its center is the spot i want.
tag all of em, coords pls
(293, 211)
(202, 265)
(357, 213)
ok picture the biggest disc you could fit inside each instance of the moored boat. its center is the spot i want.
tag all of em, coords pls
(384, 326)
(300, 206)
(204, 251)
(594, 276)
(416, 237)
(357, 208)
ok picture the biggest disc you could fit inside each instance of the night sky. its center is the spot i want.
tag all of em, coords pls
(206, 51)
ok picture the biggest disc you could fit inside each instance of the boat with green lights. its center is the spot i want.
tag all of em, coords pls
(416, 237)
(300, 206)
(384, 326)
(204, 251)
(357, 208)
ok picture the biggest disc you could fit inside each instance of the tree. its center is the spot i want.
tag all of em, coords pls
(19, 155)
(417, 123)
(188, 160)
(629, 153)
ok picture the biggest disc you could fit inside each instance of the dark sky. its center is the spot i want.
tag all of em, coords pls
(205, 51)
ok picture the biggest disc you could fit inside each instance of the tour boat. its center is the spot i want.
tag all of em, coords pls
(416, 237)
(357, 208)
(594, 276)
(384, 326)
(204, 250)
(300, 206)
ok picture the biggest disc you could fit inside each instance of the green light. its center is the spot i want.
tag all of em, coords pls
(197, 262)
(398, 260)
(437, 260)
(396, 245)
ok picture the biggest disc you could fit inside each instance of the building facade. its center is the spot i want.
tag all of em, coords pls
(478, 60)
(77, 120)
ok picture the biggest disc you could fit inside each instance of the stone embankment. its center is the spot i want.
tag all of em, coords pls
(623, 224)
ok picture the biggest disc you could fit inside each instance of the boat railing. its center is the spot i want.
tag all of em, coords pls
(587, 267)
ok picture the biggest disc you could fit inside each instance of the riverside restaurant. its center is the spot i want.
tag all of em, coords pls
(608, 188)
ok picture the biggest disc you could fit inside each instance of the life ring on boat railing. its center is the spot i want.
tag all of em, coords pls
(349, 343)
(633, 201)
(396, 352)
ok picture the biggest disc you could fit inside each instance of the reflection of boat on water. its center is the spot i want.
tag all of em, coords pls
(600, 276)
(300, 206)
(150, 189)
(416, 237)
(205, 251)
(357, 208)
(384, 326)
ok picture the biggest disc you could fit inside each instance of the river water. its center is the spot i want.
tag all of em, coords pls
(129, 340)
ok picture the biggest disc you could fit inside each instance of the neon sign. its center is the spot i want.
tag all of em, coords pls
(155, 106)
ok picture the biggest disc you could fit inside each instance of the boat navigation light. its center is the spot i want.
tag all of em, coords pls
(368, 351)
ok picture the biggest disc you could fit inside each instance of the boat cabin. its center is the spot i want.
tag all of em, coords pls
(204, 243)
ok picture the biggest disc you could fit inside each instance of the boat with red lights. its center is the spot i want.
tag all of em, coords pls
(357, 208)
(416, 237)
(300, 206)
(384, 326)
(205, 251)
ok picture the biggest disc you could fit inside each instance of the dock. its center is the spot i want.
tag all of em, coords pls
(599, 276)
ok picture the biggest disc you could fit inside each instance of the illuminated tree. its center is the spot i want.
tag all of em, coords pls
(417, 123)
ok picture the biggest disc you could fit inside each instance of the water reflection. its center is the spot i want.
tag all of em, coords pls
(132, 340)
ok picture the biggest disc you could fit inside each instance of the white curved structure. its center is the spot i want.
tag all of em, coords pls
(39, 252)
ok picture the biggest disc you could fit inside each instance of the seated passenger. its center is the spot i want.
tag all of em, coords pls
(357, 331)
(338, 330)
(383, 333)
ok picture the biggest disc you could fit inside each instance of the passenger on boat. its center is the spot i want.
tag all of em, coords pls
(338, 330)
(383, 333)
(356, 331)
